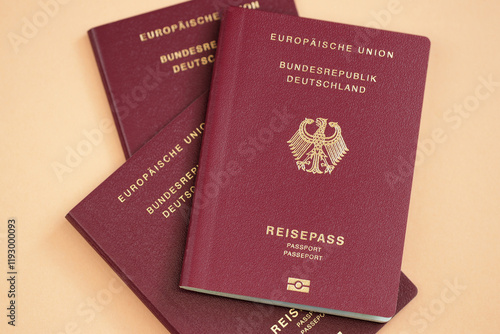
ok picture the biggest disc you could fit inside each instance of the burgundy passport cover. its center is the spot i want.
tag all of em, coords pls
(155, 64)
(146, 250)
(296, 201)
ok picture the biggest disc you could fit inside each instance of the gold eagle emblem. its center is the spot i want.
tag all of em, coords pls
(324, 148)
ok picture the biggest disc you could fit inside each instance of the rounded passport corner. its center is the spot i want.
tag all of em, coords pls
(427, 42)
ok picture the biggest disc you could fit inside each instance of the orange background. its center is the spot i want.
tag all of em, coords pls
(51, 96)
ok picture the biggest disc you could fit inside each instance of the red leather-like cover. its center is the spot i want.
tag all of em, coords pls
(145, 93)
(146, 250)
(259, 220)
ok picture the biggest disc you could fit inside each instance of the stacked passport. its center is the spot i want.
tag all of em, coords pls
(298, 220)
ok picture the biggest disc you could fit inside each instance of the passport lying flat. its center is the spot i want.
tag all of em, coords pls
(137, 220)
(155, 64)
(299, 200)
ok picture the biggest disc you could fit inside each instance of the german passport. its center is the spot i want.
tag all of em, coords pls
(155, 64)
(137, 221)
(294, 203)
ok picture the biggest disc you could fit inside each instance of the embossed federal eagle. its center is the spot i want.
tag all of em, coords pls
(325, 153)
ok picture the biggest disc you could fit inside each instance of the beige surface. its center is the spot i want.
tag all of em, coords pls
(51, 94)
